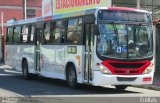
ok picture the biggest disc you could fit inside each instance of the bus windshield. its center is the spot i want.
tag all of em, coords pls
(125, 40)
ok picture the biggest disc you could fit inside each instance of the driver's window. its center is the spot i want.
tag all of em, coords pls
(143, 36)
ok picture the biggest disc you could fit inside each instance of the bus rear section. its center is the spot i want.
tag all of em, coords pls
(124, 47)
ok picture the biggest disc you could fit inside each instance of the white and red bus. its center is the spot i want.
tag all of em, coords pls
(101, 46)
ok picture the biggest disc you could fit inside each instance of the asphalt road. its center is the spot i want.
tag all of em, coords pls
(14, 89)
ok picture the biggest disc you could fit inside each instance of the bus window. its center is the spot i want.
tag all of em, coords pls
(24, 34)
(17, 34)
(57, 31)
(32, 31)
(47, 32)
(9, 35)
(74, 31)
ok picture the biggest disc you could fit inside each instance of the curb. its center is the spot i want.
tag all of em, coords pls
(151, 87)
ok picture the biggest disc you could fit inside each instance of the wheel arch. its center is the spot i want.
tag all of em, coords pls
(68, 64)
(23, 60)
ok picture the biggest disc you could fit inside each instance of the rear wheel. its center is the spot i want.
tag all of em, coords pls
(26, 74)
(71, 77)
(121, 87)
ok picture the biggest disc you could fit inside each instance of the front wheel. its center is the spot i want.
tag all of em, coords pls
(121, 87)
(71, 77)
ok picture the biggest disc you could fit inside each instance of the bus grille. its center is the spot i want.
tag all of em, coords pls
(120, 65)
(126, 68)
(121, 79)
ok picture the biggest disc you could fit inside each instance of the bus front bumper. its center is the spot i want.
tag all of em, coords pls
(103, 79)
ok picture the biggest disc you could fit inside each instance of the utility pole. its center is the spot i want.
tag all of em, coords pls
(2, 22)
(2, 39)
(24, 9)
(138, 4)
(152, 8)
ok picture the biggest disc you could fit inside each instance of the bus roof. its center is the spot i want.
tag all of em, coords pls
(24, 21)
(126, 8)
(69, 14)
(45, 18)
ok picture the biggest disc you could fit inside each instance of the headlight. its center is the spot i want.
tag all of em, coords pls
(148, 69)
(104, 69)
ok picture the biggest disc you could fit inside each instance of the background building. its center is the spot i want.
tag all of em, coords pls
(34, 8)
(16, 9)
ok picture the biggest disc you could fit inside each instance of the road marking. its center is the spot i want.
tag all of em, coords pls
(91, 95)
(73, 95)
(12, 71)
(130, 92)
(7, 75)
(5, 66)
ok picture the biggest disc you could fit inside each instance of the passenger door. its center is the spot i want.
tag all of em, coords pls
(89, 40)
(38, 36)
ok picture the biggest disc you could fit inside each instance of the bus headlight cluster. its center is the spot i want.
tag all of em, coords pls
(148, 69)
(104, 70)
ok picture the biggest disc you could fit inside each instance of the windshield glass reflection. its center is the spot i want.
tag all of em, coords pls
(124, 41)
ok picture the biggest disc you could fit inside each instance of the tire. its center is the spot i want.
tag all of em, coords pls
(71, 77)
(121, 87)
(26, 74)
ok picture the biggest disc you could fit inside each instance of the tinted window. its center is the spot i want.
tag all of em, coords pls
(25, 33)
(9, 35)
(47, 32)
(32, 32)
(74, 31)
(57, 32)
(17, 34)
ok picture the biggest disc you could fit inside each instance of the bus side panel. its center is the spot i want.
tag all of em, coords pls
(15, 54)
(28, 52)
(10, 55)
(52, 58)
(75, 54)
